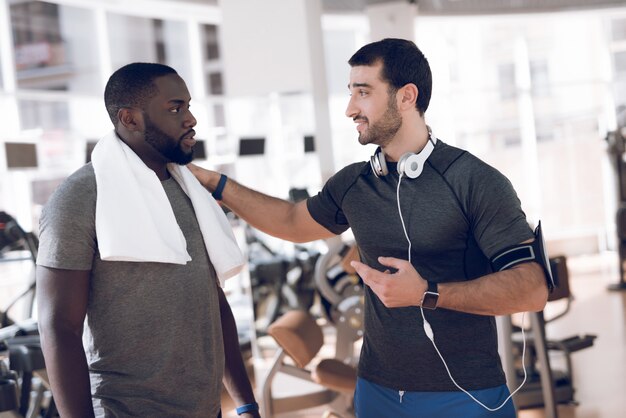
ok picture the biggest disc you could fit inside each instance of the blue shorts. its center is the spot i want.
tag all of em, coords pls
(375, 401)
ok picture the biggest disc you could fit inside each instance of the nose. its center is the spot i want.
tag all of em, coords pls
(190, 120)
(351, 111)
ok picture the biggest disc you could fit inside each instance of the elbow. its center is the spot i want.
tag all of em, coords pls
(48, 335)
(288, 235)
(539, 298)
(535, 289)
(51, 329)
(46, 327)
(532, 301)
(539, 293)
(299, 239)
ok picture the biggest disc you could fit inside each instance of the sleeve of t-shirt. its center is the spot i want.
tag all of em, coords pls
(494, 211)
(325, 207)
(67, 236)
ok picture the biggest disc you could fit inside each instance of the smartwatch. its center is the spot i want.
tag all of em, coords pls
(431, 296)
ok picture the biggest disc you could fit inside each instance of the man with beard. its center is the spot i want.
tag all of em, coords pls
(132, 243)
(427, 218)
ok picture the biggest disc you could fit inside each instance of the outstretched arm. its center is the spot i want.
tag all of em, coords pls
(519, 289)
(235, 376)
(277, 217)
(62, 305)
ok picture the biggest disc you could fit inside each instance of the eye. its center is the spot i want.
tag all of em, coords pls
(362, 93)
(175, 109)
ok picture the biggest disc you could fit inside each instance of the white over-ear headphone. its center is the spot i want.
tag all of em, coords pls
(409, 165)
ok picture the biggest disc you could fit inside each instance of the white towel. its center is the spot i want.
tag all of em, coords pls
(134, 218)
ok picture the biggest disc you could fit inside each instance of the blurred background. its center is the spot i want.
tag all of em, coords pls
(535, 88)
(532, 87)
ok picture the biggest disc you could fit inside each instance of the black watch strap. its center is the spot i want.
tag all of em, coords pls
(431, 296)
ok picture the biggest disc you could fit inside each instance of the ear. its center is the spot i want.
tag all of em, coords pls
(131, 119)
(408, 96)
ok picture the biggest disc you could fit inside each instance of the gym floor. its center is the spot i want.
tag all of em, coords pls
(599, 372)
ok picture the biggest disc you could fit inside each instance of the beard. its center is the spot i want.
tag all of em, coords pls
(382, 131)
(170, 148)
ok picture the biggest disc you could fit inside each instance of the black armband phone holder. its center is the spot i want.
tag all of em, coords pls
(523, 253)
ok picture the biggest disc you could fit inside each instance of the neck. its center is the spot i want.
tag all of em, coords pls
(150, 157)
(411, 137)
(159, 169)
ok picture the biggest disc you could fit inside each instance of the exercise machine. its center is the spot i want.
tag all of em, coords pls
(562, 389)
(22, 368)
(300, 338)
(342, 295)
(13, 239)
(616, 150)
(8, 381)
(280, 281)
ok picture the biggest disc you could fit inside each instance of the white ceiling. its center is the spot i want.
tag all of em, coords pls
(473, 7)
(458, 7)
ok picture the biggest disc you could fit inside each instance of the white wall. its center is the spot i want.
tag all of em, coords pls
(264, 44)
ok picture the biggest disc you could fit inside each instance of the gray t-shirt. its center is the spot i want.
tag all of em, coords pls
(459, 212)
(153, 338)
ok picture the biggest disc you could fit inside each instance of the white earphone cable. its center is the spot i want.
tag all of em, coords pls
(432, 340)
(429, 332)
(406, 234)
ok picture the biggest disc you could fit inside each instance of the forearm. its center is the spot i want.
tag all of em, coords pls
(277, 217)
(520, 289)
(67, 370)
(269, 214)
(236, 378)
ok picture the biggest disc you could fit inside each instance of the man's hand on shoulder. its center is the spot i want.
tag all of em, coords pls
(206, 177)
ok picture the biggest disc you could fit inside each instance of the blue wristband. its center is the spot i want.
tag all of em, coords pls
(249, 407)
(217, 194)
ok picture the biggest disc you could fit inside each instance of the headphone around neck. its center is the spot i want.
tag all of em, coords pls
(409, 165)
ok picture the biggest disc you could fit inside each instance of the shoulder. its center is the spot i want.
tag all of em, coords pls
(475, 184)
(67, 237)
(337, 186)
(83, 177)
(348, 175)
(445, 157)
(353, 170)
(456, 164)
(76, 194)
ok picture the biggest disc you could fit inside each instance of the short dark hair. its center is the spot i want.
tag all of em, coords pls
(132, 86)
(403, 63)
